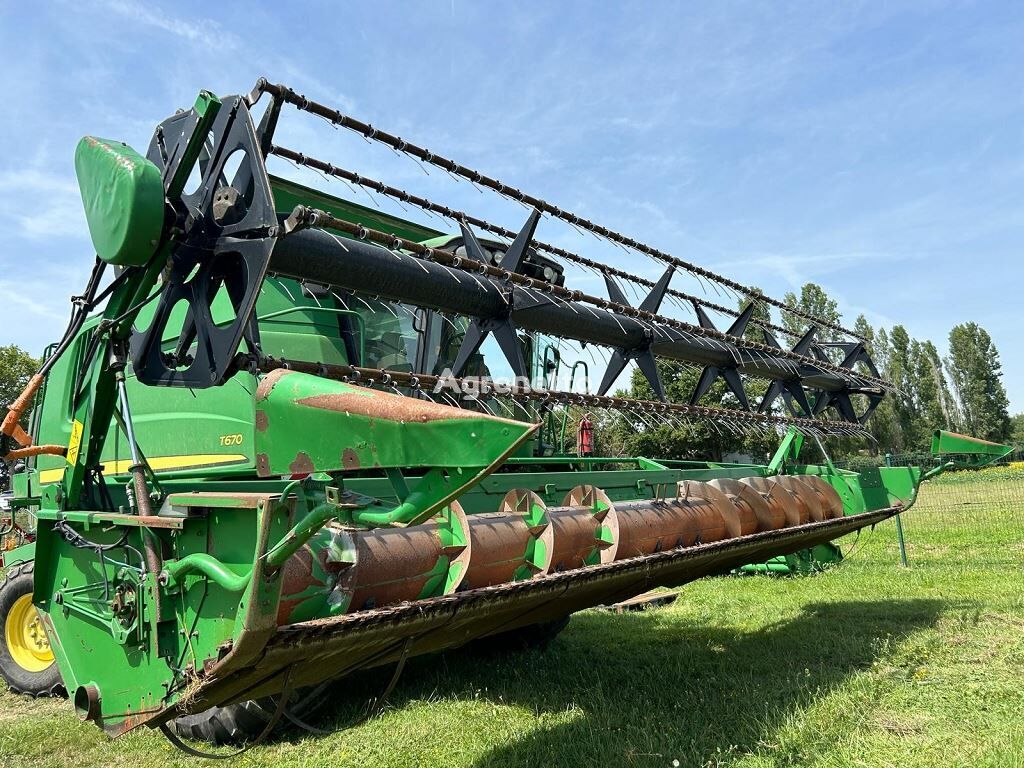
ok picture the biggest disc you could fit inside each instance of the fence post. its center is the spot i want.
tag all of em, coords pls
(899, 525)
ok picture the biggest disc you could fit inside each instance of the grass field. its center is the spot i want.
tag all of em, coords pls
(869, 664)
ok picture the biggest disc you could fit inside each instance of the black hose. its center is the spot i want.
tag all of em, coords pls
(78, 316)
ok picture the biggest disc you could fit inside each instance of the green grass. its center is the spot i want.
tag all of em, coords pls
(868, 664)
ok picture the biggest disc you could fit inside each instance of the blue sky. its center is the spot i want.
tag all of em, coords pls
(874, 148)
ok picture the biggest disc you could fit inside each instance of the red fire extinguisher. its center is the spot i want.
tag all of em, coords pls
(585, 437)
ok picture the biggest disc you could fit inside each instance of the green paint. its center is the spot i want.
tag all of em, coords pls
(968, 451)
(315, 416)
(123, 197)
(454, 537)
(22, 554)
(314, 424)
(213, 569)
(206, 107)
(288, 194)
(787, 453)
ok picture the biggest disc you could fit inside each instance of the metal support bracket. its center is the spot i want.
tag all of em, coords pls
(227, 236)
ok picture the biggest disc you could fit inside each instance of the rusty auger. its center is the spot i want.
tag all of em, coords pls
(343, 570)
(287, 460)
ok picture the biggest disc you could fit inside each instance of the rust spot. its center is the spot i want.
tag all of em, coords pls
(261, 421)
(373, 404)
(349, 459)
(303, 465)
(267, 383)
(382, 405)
(262, 465)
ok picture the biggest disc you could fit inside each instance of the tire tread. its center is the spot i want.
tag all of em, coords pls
(35, 684)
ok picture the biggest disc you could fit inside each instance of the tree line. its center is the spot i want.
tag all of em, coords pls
(962, 391)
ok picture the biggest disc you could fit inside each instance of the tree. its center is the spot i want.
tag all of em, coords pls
(815, 302)
(976, 374)
(882, 424)
(1017, 431)
(756, 444)
(923, 401)
(898, 424)
(899, 373)
(863, 329)
(697, 440)
(760, 317)
(882, 350)
(935, 401)
(16, 368)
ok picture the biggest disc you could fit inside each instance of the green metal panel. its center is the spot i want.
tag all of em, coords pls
(22, 554)
(204, 431)
(123, 197)
(288, 194)
(871, 489)
(310, 424)
(104, 627)
(981, 452)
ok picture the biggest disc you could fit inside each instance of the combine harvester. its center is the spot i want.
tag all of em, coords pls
(254, 468)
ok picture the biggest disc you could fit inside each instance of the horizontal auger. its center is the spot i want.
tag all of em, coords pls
(341, 570)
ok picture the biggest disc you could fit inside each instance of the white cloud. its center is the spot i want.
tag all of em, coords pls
(42, 204)
(23, 298)
(33, 180)
(205, 32)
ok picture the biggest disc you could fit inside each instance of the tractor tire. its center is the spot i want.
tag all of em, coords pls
(26, 661)
(528, 638)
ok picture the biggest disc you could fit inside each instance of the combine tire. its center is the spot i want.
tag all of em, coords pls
(26, 661)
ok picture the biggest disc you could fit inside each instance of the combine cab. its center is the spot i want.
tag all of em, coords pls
(269, 453)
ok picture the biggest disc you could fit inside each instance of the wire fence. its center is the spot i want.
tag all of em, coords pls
(963, 517)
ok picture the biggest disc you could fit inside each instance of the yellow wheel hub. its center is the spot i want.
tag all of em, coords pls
(26, 639)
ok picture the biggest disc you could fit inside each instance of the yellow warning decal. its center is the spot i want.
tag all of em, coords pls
(157, 464)
(76, 441)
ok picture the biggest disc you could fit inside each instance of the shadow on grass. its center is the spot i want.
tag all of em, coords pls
(647, 689)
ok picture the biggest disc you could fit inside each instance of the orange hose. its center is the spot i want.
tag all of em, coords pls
(36, 450)
(10, 426)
